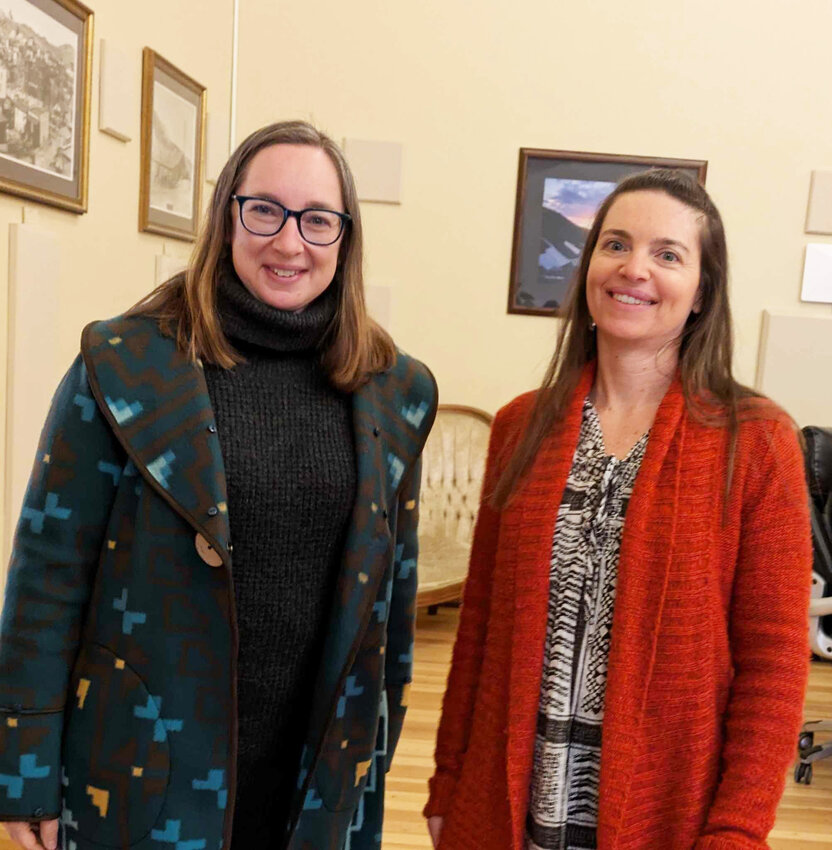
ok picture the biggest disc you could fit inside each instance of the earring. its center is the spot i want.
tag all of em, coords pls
(592, 325)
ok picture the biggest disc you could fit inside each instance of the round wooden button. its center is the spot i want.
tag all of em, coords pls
(207, 552)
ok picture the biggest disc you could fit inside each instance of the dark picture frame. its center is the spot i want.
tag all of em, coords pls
(558, 194)
(45, 82)
(172, 149)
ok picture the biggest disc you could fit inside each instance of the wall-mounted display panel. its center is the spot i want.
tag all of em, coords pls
(117, 91)
(817, 273)
(794, 365)
(819, 213)
(377, 169)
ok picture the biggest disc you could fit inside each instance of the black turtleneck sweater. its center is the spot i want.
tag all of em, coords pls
(288, 451)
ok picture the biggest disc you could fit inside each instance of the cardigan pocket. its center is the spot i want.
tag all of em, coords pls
(115, 752)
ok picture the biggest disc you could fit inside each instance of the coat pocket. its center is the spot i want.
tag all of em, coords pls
(115, 752)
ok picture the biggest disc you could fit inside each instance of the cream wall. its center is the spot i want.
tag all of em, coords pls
(463, 86)
(105, 263)
(741, 84)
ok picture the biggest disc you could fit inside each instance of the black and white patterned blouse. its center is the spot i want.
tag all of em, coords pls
(563, 804)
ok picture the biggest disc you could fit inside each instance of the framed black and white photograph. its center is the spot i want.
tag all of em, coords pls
(558, 194)
(173, 122)
(45, 71)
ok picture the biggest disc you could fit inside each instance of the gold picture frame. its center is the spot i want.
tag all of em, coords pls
(172, 149)
(45, 83)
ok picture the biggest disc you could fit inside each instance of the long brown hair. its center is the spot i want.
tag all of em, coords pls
(705, 348)
(354, 346)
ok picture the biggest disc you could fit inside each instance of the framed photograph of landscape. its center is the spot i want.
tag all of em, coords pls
(558, 193)
(173, 129)
(45, 74)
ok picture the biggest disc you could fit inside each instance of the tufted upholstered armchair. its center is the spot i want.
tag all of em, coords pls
(453, 465)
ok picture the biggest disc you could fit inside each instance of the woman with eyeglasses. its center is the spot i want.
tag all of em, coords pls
(632, 650)
(159, 687)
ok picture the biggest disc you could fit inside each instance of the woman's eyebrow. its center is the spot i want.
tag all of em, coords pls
(662, 241)
(667, 242)
(310, 205)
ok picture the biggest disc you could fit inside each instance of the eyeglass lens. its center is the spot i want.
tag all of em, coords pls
(265, 218)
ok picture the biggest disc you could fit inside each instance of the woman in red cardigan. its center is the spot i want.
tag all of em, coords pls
(681, 635)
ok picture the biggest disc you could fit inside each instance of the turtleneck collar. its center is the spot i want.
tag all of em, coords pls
(248, 320)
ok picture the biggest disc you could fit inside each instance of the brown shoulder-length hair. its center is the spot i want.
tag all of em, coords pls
(705, 347)
(354, 346)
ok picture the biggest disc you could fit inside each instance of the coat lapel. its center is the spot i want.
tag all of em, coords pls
(645, 558)
(527, 528)
(367, 543)
(392, 415)
(157, 403)
(639, 602)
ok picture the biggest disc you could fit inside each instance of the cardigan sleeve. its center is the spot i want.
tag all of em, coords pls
(54, 555)
(463, 679)
(769, 645)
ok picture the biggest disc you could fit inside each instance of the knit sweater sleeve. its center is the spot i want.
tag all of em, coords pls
(768, 638)
(463, 679)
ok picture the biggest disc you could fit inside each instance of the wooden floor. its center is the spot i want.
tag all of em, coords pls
(804, 819)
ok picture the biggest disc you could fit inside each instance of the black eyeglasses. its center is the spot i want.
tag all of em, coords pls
(264, 217)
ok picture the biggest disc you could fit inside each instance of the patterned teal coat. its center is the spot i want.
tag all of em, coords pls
(119, 636)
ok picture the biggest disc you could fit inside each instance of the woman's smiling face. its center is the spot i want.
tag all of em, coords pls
(643, 277)
(284, 270)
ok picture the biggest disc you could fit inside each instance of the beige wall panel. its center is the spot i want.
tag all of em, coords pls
(795, 364)
(34, 366)
(463, 90)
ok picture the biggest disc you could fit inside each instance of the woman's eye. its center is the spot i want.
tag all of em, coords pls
(669, 256)
(614, 245)
(263, 209)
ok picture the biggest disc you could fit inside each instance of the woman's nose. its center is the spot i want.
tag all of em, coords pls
(288, 239)
(636, 266)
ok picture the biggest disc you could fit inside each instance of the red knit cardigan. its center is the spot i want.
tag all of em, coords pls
(708, 661)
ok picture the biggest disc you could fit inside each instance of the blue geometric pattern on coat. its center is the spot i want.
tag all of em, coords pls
(50, 509)
(372, 786)
(170, 835)
(214, 782)
(405, 568)
(160, 468)
(87, 406)
(350, 690)
(129, 618)
(407, 657)
(312, 801)
(110, 469)
(28, 770)
(414, 414)
(66, 817)
(122, 411)
(153, 711)
(396, 468)
(405, 565)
